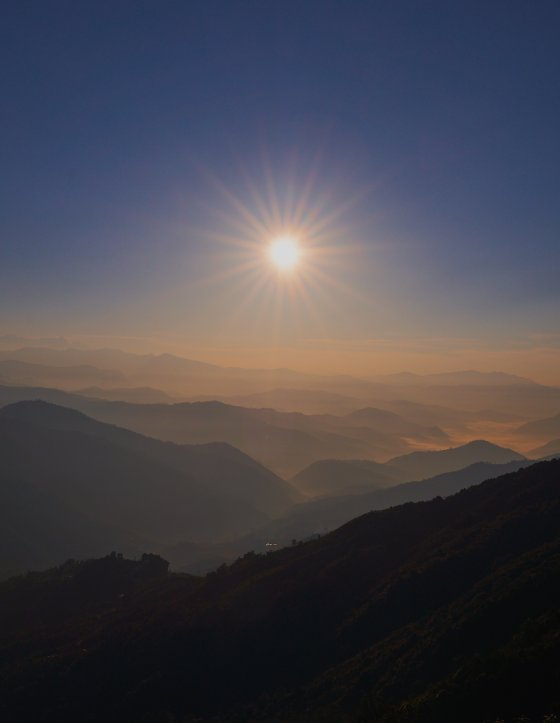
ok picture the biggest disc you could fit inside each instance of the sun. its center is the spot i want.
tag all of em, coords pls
(284, 253)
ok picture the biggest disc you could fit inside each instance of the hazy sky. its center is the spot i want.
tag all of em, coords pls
(149, 150)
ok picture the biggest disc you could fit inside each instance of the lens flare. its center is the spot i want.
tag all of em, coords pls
(282, 247)
(284, 253)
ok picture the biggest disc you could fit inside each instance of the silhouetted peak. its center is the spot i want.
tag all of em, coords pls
(479, 444)
(38, 411)
(474, 445)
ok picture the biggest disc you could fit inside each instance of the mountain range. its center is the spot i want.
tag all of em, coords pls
(21, 373)
(332, 477)
(420, 465)
(468, 377)
(424, 613)
(548, 428)
(469, 391)
(119, 488)
(285, 442)
(131, 489)
(319, 516)
(549, 449)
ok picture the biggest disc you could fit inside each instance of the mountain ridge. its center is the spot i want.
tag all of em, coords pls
(402, 615)
(429, 463)
(133, 486)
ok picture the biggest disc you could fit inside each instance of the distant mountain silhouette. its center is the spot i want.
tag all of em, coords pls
(10, 394)
(308, 401)
(392, 423)
(447, 417)
(285, 442)
(19, 372)
(546, 450)
(425, 613)
(541, 428)
(221, 468)
(420, 465)
(185, 378)
(155, 491)
(262, 434)
(135, 395)
(461, 378)
(319, 516)
(172, 373)
(106, 358)
(331, 477)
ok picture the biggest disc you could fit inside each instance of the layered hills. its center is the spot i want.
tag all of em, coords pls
(318, 516)
(420, 465)
(127, 486)
(285, 442)
(74, 486)
(331, 477)
(466, 391)
(428, 612)
(549, 449)
(541, 428)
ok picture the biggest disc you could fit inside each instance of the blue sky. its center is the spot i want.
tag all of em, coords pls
(431, 126)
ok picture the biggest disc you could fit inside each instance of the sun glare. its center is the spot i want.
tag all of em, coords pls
(284, 253)
(282, 248)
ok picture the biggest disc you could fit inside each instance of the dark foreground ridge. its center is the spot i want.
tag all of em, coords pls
(430, 612)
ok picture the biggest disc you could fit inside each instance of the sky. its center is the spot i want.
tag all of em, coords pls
(151, 150)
